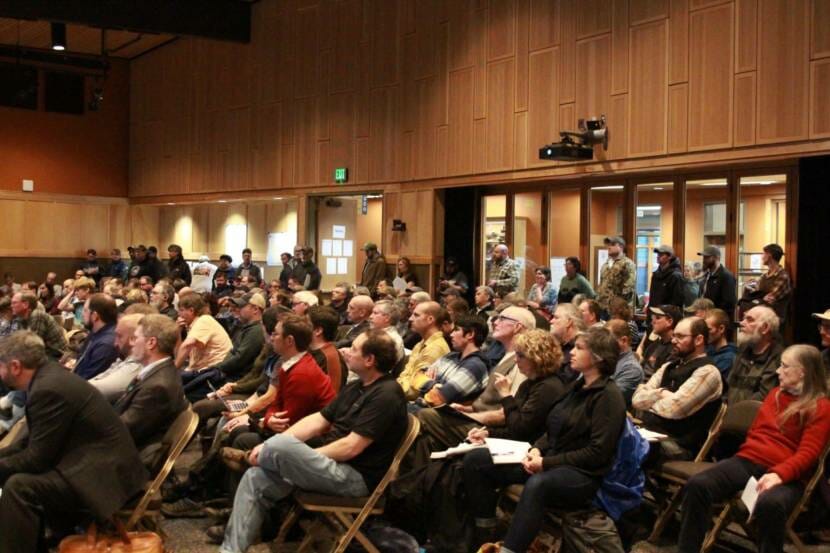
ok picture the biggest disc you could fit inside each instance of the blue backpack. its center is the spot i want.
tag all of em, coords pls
(622, 487)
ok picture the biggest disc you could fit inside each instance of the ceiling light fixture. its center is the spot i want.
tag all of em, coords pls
(59, 36)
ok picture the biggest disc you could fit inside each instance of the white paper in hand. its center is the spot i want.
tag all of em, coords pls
(750, 495)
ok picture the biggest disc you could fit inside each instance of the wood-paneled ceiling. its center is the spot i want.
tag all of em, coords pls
(81, 39)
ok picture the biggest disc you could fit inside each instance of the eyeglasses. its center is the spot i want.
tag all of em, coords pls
(824, 326)
(505, 318)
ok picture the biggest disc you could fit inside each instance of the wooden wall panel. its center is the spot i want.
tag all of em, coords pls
(544, 23)
(644, 11)
(619, 47)
(593, 17)
(710, 78)
(593, 80)
(499, 124)
(678, 117)
(820, 24)
(415, 90)
(746, 35)
(819, 93)
(781, 54)
(679, 41)
(744, 109)
(460, 138)
(648, 88)
(543, 106)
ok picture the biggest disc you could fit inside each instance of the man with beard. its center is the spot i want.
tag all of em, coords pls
(340, 298)
(161, 297)
(667, 284)
(717, 284)
(98, 351)
(113, 382)
(682, 398)
(753, 373)
(720, 350)
(655, 352)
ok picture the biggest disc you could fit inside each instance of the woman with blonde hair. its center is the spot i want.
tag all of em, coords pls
(781, 450)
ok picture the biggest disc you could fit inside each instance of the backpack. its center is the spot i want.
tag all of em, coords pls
(622, 488)
(589, 532)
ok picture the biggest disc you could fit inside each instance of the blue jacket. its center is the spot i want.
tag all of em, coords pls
(97, 353)
(622, 487)
(723, 358)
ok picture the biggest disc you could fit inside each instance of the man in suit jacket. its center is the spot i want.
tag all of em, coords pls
(155, 397)
(359, 309)
(78, 455)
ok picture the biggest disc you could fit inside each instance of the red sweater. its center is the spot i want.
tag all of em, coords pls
(793, 452)
(302, 390)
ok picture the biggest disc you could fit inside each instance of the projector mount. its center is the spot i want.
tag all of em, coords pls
(591, 131)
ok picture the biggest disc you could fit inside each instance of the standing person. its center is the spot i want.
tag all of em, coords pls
(142, 265)
(773, 288)
(91, 268)
(118, 267)
(177, 267)
(667, 282)
(574, 282)
(159, 268)
(619, 274)
(503, 276)
(306, 272)
(374, 269)
(717, 283)
(226, 269)
(781, 450)
(288, 265)
(824, 332)
(77, 456)
(567, 464)
(543, 294)
(248, 268)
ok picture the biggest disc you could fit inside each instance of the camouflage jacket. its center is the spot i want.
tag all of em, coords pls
(617, 279)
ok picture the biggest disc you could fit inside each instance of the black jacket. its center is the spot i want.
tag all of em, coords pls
(584, 428)
(178, 268)
(524, 414)
(721, 289)
(247, 344)
(74, 431)
(150, 405)
(668, 285)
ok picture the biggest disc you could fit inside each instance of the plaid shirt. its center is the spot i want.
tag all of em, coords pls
(617, 280)
(44, 326)
(505, 274)
(776, 284)
(702, 387)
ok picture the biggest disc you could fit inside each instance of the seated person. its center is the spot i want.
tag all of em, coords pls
(324, 323)
(443, 428)
(345, 449)
(781, 450)
(628, 373)
(657, 348)
(753, 372)
(207, 344)
(155, 398)
(98, 352)
(461, 375)
(77, 456)
(566, 466)
(425, 322)
(113, 382)
(720, 350)
(565, 325)
(683, 397)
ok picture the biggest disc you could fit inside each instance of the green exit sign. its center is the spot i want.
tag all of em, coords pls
(341, 175)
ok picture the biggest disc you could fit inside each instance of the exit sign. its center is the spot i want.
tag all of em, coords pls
(341, 175)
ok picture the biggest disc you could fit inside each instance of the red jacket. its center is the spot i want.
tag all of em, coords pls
(302, 390)
(791, 452)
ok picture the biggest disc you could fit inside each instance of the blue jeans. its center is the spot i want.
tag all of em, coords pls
(285, 463)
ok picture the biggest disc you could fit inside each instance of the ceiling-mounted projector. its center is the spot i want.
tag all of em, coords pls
(578, 145)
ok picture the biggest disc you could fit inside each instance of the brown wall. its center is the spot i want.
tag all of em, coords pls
(70, 154)
(399, 90)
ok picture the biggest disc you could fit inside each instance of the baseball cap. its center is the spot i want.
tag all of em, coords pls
(521, 316)
(614, 240)
(710, 251)
(254, 299)
(369, 246)
(671, 311)
(822, 316)
(664, 248)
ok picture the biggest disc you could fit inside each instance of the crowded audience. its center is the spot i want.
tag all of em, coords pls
(301, 387)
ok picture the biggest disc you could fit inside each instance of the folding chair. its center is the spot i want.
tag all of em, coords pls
(347, 514)
(175, 440)
(733, 419)
(14, 432)
(726, 515)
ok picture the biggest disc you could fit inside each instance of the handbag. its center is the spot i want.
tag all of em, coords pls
(120, 542)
